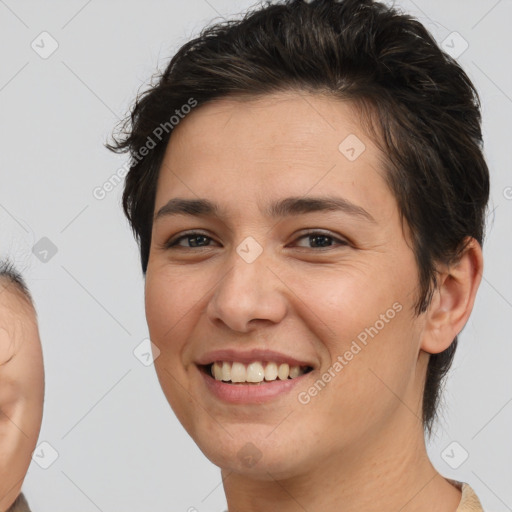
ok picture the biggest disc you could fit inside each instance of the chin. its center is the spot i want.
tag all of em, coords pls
(264, 465)
(252, 451)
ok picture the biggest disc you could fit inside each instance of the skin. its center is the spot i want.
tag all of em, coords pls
(359, 443)
(21, 389)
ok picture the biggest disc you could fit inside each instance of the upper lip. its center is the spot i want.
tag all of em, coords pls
(249, 356)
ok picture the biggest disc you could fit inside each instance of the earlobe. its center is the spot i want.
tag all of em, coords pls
(453, 299)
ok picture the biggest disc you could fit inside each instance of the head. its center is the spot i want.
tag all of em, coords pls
(347, 99)
(21, 383)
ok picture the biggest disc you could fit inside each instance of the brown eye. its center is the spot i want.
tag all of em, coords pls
(193, 239)
(319, 239)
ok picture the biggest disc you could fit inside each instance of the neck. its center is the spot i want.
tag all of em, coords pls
(387, 471)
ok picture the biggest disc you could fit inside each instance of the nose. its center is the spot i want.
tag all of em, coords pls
(248, 295)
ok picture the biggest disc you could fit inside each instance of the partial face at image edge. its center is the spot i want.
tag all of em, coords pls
(21, 386)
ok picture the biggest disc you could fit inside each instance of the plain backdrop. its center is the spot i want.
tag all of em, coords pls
(110, 441)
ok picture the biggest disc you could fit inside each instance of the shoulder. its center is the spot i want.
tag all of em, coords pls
(19, 505)
(469, 501)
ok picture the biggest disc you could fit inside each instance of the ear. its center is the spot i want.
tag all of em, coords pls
(453, 299)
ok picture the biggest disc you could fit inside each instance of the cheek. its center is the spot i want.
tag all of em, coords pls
(173, 302)
(366, 320)
(168, 299)
(345, 303)
(169, 311)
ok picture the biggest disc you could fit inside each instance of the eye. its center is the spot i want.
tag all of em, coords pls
(194, 238)
(321, 239)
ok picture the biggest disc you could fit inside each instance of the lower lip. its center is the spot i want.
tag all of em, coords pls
(250, 393)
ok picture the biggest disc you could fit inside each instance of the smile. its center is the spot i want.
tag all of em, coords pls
(252, 376)
(237, 388)
(255, 372)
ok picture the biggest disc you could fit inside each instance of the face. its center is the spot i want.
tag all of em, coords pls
(21, 389)
(320, 293)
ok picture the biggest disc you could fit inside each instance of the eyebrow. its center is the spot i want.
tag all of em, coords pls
(282, 208)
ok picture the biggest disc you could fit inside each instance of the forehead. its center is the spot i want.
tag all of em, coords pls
(13, 299)
(290, 143)
(281, 120)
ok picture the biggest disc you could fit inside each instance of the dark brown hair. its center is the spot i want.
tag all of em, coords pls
(9, 276)
(415, 101)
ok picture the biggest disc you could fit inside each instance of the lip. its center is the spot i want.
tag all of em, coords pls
(250, 356)
(250, 393)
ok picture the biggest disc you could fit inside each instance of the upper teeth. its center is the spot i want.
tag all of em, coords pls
(254, 372)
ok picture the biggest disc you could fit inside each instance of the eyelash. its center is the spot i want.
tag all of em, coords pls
(172, 243)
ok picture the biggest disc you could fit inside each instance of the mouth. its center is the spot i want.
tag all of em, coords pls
(254, 373)
(255, 376)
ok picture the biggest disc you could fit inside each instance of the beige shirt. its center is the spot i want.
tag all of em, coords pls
(468, 503)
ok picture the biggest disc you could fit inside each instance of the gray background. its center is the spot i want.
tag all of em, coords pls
(119, 445)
